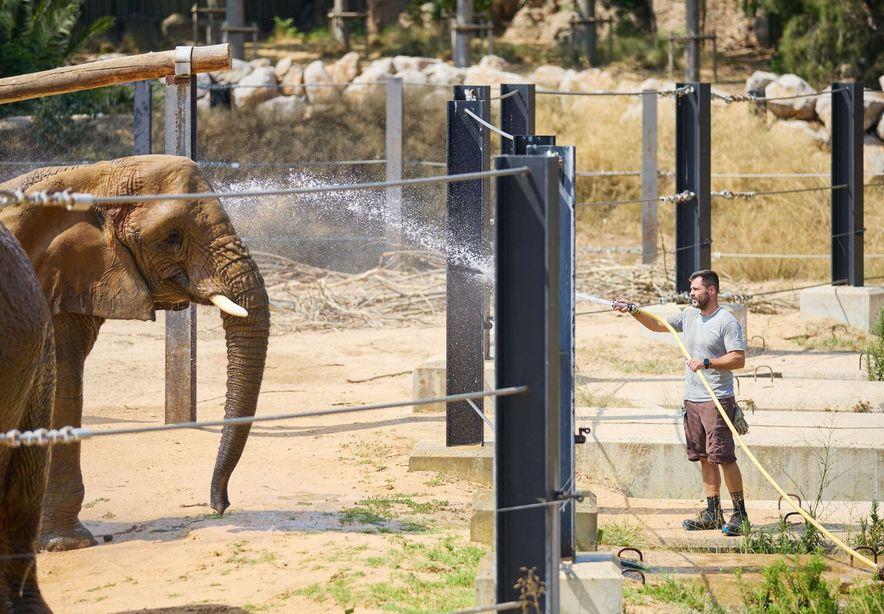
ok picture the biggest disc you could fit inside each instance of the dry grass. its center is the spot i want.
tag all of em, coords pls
(607, 133)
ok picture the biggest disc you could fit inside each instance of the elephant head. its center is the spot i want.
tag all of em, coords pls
(125, 262)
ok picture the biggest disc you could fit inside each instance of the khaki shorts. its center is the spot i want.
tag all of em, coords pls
(707, 434)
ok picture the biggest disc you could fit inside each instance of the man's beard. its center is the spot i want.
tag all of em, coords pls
(702, 302)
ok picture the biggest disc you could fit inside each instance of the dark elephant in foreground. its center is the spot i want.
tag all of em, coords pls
(125, 262)
(27, 388)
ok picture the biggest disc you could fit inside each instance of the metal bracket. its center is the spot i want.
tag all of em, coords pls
(183, 56)
(797, 498)
(582, 432)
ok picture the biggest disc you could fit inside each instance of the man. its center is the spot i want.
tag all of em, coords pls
(715, 340)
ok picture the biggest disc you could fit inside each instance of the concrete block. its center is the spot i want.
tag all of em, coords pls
(591, 584)
(586, 528)
(854, 306)
(428, 382)
(738, 310)
(474, 463)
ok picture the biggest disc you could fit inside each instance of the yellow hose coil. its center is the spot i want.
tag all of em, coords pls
(757, 464)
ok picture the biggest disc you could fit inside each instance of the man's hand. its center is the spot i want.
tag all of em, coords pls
(694, 364)
(622, 305)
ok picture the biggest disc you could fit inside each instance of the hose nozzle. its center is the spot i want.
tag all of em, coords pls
(631, 307)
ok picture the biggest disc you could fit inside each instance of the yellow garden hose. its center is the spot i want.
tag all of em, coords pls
(879, 569)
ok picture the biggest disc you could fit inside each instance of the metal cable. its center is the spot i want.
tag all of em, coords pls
(481, 414)
(750, 195)
(566, 497)
(681, 197)
(69, 434)
(678, 92)
(78, 201)
(487, 125)
(505, 96)
(729, 98)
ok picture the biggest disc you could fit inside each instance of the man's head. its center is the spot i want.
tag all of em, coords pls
(704, 288)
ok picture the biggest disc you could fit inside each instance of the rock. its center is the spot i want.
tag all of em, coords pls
(255, 88)
(203, 83)
(823, 106)
(547, 76)
(880, 129)
(445, 74)
(873, 107)
(367, 84)
(282, 109)
(238, 69)
(383, 66)
(477, 75)
(203, 104)
(591, 79)
(293, 81)
(494, 62)
(759, 80)
(873, 156)
(177, 28)
(812, 131)
(656, 84)
(282, 67)
(16, 122)
(260, 63)
(540, 22)
(881, 82)
(345, 69)
(404, 62)
(795, 108)
(316, 74)
(412, 76)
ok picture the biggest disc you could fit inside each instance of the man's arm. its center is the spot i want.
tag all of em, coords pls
(650, 323)
(729, 362)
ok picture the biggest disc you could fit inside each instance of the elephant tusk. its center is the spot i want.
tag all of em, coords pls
(227, 306)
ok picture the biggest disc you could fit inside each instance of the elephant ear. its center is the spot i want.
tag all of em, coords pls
(82, 266)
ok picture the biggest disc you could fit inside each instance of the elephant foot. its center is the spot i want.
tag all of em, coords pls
(30, 604)
(73, 537)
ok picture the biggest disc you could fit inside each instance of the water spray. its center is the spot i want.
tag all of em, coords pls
(583, 296)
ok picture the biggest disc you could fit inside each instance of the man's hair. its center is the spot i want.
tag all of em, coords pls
(709, 277)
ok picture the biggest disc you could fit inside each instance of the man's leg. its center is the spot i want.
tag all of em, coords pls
(734, 481)
(695, 435)
(712, 478)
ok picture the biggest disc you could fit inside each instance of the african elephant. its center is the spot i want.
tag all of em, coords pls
(27, 388)
(125, 262)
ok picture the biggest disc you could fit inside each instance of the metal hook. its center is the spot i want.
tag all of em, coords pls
(755, 374)
(780, 501)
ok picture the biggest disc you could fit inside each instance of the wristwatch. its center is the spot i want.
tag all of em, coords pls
(706, 363)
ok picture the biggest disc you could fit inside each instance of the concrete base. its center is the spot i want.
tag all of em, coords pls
(428, 382)
(586, 528)
(738, 310)
(474, 463)
(854, 306)
(641, 453)
(590, 584)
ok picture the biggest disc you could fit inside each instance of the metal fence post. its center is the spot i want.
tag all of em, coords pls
(693, 223)
(465, 284)
(395, 98)
(516, 113)
(142, 118)
(649, 176)
(463, 34)
(847, 169)
(521, 142)
(567, 278)
(527, 426)
(180, 126)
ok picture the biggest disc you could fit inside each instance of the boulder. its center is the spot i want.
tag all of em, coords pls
(873, 156)
(494, 62)
(345, 69)
(260, 63)
(540, 22)
(282, 109)
(405, 62)
(445, 74)
(812, 131)
(881, 82)
(412, 76)
(368, 83)
(315, 75)
(873, 107)
(238, 69)
(656, 84)
(589, 80)
(293, 81)
(381, 68)
(759, 80)
(255, 88)
(880, 129)
(547, 76)
(823, 106)
(177, 28)
(477, 75)
(282, 67)
(794, 108)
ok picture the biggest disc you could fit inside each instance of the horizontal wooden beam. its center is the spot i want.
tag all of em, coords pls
(102, 73)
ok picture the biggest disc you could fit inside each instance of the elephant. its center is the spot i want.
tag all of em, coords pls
(27, 391)
(127, 262)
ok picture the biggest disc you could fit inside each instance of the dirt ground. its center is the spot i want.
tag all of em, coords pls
(324, 515)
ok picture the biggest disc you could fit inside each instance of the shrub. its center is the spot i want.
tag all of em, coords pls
(875, 351)
(786, 590)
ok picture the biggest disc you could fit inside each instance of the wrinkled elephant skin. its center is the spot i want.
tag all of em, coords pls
(125, 262)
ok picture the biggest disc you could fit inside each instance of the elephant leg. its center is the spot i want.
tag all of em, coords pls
(61, 528)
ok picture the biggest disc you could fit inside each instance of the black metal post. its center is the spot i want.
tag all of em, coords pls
(847, 169)
(521, 142)
(142, 118)
(693, 219)
(567, 270)
(516, 113)
(465, 284)
(527, 426)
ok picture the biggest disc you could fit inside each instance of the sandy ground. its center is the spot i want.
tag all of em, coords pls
(292, 527)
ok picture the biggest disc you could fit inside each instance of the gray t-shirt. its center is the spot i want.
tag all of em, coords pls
(709, 336)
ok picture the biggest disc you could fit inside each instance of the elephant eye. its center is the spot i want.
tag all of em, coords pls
(174, 238)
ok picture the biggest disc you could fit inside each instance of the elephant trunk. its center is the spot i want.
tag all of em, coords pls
(246, 353)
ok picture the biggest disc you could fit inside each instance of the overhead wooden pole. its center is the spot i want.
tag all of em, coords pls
(92, 75)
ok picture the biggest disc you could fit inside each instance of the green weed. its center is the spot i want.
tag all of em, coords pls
(690, 596)
(95, 502)
(875, 350)
(782, 540)
(380, 510)
(871, 530)
(626, 533)
(788, 589)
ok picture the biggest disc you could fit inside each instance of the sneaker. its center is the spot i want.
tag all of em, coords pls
(705, 521)
(734, 526)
